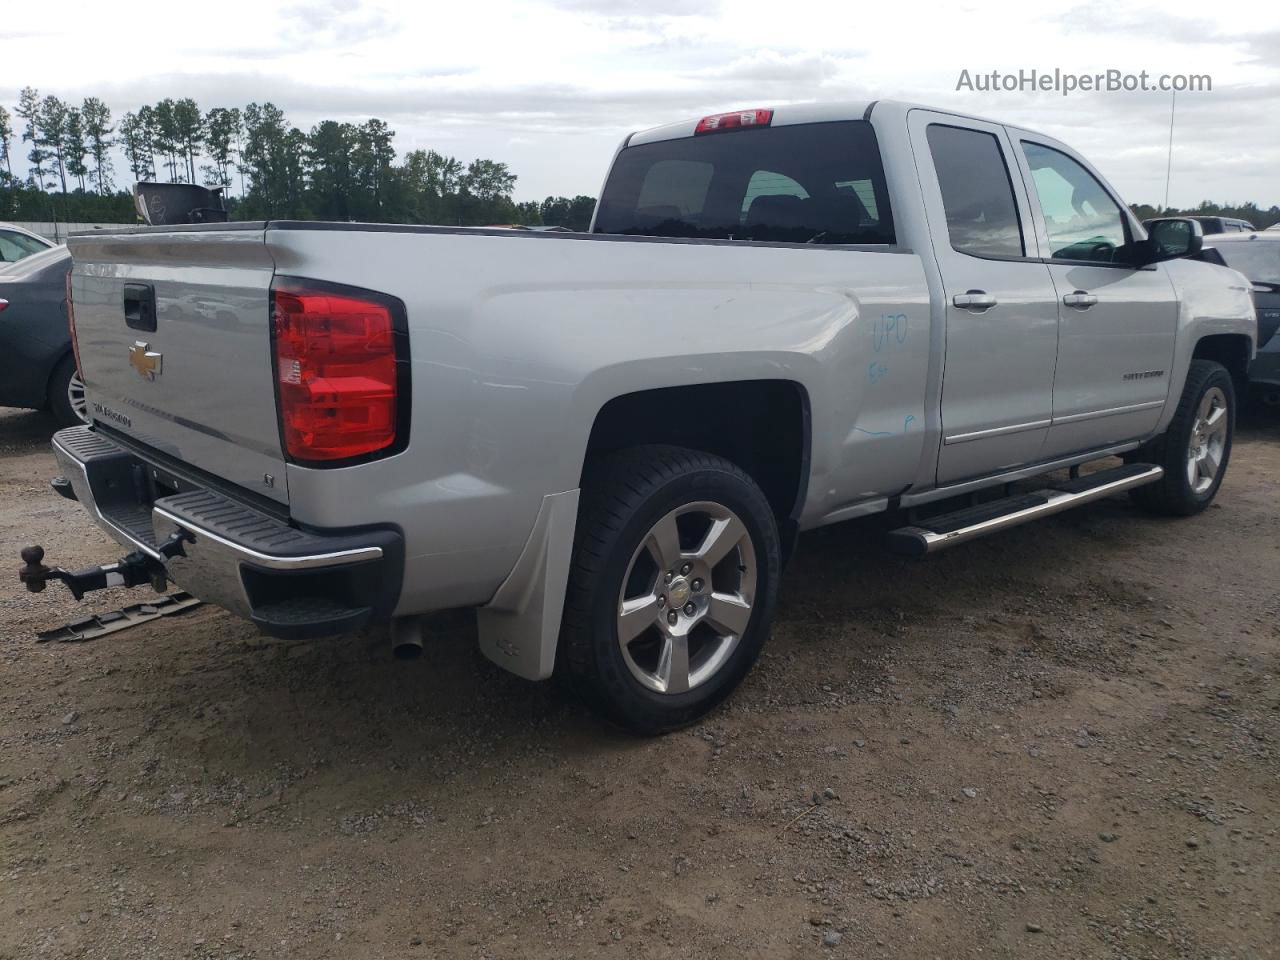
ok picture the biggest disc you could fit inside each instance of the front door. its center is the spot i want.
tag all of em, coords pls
(1117, 324)
(1001, 306)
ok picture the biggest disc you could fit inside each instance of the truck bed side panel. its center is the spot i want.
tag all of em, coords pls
(517, 341)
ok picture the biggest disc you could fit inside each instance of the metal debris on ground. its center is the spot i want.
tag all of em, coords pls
(90, 628)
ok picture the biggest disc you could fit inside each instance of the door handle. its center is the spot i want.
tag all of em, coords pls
(974, 300)
(1080, 300)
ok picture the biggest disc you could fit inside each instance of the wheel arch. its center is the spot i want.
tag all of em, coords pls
(762, 426)
(1232, 350)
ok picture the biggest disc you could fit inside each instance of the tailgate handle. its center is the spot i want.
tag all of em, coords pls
(140, 306)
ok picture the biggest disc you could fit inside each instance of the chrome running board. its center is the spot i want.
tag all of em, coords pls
(937, 533)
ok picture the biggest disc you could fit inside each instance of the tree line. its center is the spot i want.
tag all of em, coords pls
(1237, 211)
(267, 167)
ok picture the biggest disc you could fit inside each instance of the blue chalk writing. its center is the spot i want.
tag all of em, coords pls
(890, 330)
(906, 425)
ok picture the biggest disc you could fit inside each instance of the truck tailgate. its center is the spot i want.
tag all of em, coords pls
(193, 380)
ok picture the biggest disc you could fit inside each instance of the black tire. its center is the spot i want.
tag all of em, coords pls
(1174, 495)
(623, 496)
(59, 402)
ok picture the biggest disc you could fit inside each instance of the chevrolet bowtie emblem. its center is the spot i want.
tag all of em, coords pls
(146, 361)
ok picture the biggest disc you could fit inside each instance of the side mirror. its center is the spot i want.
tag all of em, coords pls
(1210, 255)
(1169, 238)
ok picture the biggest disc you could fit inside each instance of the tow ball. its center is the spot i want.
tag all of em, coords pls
(130, 571)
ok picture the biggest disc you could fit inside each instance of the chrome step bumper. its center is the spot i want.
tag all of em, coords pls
(947, 530)
(287, 580)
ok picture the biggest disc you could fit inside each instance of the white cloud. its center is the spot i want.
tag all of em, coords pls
(550, 87)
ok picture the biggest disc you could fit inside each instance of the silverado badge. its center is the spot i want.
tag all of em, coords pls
(147, 362)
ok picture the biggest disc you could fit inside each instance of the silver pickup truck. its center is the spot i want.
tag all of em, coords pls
(606, 443)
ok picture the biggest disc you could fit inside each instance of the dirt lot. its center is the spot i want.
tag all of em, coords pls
(1061, 742)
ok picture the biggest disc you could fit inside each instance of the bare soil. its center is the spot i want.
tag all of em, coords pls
(1060, 742)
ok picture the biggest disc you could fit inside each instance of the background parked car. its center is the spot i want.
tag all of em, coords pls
(37, 368)
(1224, 225)
(16, 243)
(1214, 224)
(1257, 256)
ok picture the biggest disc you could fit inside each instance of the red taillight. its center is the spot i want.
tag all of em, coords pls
(71, 325)
(738, 120)
(338, 376)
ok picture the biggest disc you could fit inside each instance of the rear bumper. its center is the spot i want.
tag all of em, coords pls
(291, 582)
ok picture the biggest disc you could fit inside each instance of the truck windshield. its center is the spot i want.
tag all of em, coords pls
(807, 183)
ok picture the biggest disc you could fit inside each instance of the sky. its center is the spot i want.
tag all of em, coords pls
(551, 86)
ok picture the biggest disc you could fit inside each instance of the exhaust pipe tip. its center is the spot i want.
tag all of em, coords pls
(406, 638)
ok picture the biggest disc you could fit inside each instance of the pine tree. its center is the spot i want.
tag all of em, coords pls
(29, 110)
(97, 131)
(6, 138)
(51, 125)
(74, 147)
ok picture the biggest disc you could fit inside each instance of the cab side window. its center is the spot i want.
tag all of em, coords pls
(977, 194)
(1081, 219)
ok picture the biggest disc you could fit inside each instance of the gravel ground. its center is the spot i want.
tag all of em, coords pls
(1060, 742)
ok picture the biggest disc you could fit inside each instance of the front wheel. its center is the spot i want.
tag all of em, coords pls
(672, 587)
(1195, 449)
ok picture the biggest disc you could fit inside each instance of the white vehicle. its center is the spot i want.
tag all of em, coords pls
(607, 442)
(16, 243)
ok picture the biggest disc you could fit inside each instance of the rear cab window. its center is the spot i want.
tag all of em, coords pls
(819, 183)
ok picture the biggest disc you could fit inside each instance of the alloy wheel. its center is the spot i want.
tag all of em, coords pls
(687, 597)
(1208, 441)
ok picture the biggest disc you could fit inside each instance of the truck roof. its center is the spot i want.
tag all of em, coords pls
(808, 113)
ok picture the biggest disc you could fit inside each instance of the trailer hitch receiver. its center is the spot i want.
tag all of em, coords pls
(132, 570)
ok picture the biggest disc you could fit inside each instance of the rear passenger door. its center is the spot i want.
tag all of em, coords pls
(1001, 308)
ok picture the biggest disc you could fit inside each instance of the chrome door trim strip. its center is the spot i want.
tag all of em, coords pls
(1041, 424)
(997, 431)
(1110, 412)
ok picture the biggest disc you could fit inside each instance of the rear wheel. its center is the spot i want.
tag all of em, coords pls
(1195, 449)
(66, 394)
(672, 586)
